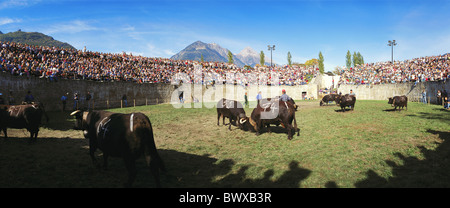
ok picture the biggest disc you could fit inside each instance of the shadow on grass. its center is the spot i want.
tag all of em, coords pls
(394, 110)
(340, 110)
(194, 171)
(59, 121)
(65, 163)
(429, 172)
(442, 117)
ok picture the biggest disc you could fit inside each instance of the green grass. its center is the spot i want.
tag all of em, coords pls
(367, 147)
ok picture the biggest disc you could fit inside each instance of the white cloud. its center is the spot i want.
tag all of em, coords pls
(75, 26)
(6, 20)
(17, 3)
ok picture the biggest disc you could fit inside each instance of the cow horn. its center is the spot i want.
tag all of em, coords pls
(242, 120)
(75, 112)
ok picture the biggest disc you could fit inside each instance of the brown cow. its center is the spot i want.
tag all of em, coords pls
(272, 112)
(347, 100)
(27, 116)
(232, 109)
(121, 135)
(399, 101)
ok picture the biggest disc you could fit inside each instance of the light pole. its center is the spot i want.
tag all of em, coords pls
(271, 48)
(392, 44)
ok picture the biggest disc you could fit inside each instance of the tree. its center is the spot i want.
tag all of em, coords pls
(321, 66)
(261, 58)
(312, 62)
(355, 59)
(289, 58)
(348, 60)
(337, 70)
(201, 58)
(230, 57)
(359, 58)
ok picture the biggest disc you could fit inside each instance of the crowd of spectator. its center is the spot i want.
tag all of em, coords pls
(424, 69)
(56, 63)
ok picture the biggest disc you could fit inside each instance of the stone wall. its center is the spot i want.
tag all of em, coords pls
(105, 94)
(109, 94)
(212, 94)
(384, 91)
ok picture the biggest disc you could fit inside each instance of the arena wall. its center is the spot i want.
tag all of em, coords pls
(384, 91)
(104, 94)
(109, 94)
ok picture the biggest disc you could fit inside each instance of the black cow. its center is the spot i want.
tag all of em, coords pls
(399, 101)
(347, 100)
(328, 98)
(121, 135)
(275, 112)
(27, 116)
(231, 109)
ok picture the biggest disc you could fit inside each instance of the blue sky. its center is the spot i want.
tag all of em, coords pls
(305, 27)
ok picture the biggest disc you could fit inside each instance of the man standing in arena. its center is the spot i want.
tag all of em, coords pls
(284, 97)
(352, 93)
(64, 101)
(258, 97)
(88, 99)
(29, 98)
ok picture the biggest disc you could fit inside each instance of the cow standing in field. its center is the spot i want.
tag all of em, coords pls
(27, 116)
(347, 100)
(272, 112)
(120, 135)
(328, 98)
(399, 101)
(232, 109)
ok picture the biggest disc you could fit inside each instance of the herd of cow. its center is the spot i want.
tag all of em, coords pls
(129, 136)
(349, 100)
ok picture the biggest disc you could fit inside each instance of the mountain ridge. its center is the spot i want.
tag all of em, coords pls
(213, 52)
(33, 38)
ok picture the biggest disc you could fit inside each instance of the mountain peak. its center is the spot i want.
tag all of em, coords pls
(214, 52)
(248, 51)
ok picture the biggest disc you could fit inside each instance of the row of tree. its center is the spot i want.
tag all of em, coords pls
(356, 59)
(350, 61)
(312, 62)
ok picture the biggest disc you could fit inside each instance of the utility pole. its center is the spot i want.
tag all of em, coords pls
(271, 48)
(392, 44)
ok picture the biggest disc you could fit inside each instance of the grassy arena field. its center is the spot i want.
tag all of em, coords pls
(372, 146)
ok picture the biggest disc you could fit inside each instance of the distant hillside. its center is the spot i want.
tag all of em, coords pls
(33, 38)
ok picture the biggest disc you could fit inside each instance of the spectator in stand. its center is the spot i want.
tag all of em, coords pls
(54, 63)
